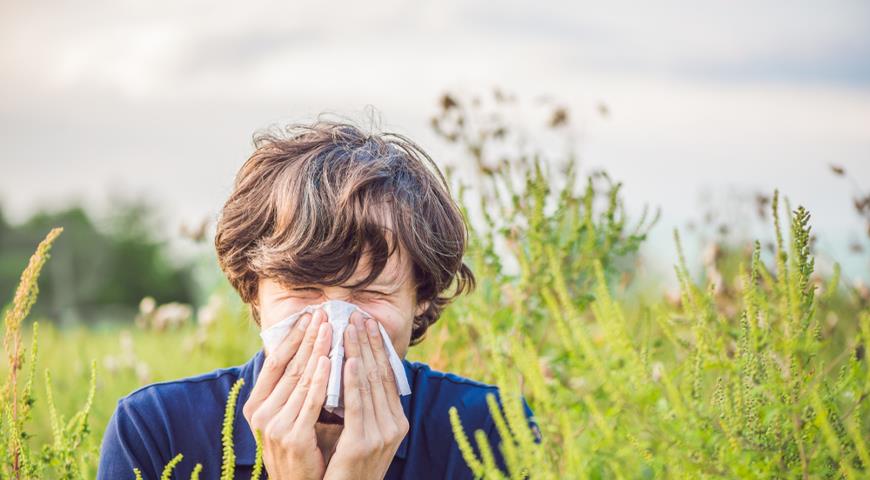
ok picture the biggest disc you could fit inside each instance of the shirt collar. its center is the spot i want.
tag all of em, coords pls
(243, 438)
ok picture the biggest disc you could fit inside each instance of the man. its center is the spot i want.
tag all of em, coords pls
(324, 212)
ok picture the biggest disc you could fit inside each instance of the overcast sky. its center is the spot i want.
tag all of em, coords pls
(162, 97)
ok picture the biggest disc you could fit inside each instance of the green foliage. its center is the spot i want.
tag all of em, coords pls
(65, 456)
(697, 390)
(166, 474)
(229, 458)
(758, 371)
(756, 376)
(258, 458)
(102, 269)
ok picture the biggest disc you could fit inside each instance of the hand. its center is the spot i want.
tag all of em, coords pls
(374, 420)
(287, 397)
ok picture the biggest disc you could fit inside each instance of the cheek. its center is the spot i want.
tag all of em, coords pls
(396, 322)
(275, 312)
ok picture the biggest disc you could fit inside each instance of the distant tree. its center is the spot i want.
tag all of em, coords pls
(100, 270)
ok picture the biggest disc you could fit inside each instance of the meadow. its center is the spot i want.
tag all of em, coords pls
(757, 369)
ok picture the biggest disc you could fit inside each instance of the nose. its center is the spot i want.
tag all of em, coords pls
(336, 293)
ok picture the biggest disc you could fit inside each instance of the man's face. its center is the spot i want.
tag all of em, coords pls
(390, 299)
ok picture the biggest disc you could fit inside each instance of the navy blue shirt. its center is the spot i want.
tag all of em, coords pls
(156, 422)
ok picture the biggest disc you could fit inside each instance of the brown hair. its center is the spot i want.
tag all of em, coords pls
(310, 202)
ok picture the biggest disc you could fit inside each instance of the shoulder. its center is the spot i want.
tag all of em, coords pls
(450, 389)
(155, 422)
(200, 393)
(216, 380)
(435, 395)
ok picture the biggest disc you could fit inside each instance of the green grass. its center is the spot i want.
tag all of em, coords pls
(763, 375)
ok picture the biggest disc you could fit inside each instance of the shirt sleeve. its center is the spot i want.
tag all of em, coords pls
(128, 444)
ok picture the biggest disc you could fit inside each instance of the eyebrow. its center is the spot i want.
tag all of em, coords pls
(392, 281)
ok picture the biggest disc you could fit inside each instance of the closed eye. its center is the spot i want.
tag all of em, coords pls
(374, 293)
(304, 291)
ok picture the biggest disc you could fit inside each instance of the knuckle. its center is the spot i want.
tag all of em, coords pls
(312, 406)
(293, 344)
(404, 426)
(373, 376)
(258, 420)
(395, 434)
(248, 411)
(311, 335)
(273, 363)
(293, 375)
(304, 382)
(271, 433)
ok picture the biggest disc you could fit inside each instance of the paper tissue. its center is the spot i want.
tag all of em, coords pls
(338, 313)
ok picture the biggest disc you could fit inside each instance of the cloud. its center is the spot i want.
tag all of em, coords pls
(164, 96)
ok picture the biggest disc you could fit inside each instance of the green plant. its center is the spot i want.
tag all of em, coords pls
(63, 456)
(690, 391)
(758, 371)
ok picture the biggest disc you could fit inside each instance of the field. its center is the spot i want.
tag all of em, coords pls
(757, 369)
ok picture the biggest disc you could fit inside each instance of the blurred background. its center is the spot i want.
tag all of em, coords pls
(579, 136)
(125, 122)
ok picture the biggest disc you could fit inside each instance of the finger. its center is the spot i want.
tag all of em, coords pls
(290, 410)
(316, 395)
(277, 361)
(388, 378)
(376, 375)
(288, 403)
(368, 379)
(293, 371)
(353, 407)
(369, 365)
(351, 342)
(302, 356)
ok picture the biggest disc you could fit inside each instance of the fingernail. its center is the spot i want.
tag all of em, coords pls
(321, 332)
(306, 319)
(351, 332)
(373, 329)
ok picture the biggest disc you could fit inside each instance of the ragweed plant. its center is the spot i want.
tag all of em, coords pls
(686, 392)
(757, 369)
(65, 457)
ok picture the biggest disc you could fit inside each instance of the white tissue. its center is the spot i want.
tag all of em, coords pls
(338, 313)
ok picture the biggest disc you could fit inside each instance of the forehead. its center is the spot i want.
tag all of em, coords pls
(396, 271)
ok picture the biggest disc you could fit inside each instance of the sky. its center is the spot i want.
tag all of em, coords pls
(706, 99)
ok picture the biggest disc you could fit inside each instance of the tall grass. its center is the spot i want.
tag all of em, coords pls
(753, 372)
(772, 390)
(763, 375)
(63, 456)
